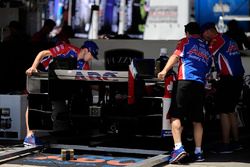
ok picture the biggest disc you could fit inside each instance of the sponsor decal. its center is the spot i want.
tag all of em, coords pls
(86, 160)
(92, 75)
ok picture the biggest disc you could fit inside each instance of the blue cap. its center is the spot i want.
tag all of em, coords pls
(92, 48)
(207, 26)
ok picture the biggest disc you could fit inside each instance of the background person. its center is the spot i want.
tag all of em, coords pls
(64, 35)
(41, 40)
(15, 49)
(237, 34)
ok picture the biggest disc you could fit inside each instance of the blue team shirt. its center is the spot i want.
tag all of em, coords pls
(226, 56)
(195, 59)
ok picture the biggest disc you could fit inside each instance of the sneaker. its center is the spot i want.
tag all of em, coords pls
(32, 141)
(199, 157)
(167, 159)
(177, 155)
(236, 146)
(223, 149)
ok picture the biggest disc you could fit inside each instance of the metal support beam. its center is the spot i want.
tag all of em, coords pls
(236, 17)
(14, 152)
(156, 160)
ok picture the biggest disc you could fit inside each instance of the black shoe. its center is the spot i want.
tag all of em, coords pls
(199, 157)
(223, 149)
(236, 146)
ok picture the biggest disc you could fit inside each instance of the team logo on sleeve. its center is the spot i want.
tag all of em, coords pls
(57, 48)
